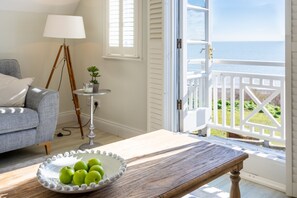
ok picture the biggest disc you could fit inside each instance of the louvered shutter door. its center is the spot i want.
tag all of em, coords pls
(155, 66)
(292, 148)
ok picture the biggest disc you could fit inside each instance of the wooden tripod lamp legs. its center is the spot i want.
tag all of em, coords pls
(73, 87)
(72, 82)
(54, 67)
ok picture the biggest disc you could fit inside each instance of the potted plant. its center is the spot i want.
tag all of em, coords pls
(94, 73)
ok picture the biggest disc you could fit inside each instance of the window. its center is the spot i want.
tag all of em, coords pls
(123, 29)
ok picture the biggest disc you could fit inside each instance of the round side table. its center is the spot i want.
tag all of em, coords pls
(91, 134)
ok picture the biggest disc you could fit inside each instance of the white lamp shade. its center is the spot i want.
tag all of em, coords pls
(64, 26)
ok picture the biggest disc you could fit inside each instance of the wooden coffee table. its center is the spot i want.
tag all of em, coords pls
(160, 164)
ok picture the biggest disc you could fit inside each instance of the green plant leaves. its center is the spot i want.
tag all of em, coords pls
(250, 105)
(94, 73)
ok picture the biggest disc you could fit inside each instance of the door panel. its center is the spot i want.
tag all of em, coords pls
(195, 67)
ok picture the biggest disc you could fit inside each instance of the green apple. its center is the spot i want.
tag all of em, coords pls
(92, 176)
(98, 168)
(79, 177)
(93, 162)
(66, 175)
(80, 165)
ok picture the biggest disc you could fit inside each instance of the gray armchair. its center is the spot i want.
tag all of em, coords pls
(35, 123)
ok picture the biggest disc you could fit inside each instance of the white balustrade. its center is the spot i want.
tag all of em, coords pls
(234, 90)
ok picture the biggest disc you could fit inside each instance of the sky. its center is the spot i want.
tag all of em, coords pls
(247, 20)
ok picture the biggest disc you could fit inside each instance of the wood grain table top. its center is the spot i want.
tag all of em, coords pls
(160, 164)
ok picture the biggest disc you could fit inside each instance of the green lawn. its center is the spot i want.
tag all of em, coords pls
(259, 118)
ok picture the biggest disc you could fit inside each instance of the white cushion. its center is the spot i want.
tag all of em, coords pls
(13, 90)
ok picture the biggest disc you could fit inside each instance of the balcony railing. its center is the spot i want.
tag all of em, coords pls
(233, 92)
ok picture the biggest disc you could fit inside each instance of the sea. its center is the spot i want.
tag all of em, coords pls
(270, 51)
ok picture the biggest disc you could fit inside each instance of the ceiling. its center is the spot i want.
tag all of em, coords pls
(40, 6)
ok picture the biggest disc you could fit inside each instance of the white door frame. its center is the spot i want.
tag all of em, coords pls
(289, 119)
(169, 61)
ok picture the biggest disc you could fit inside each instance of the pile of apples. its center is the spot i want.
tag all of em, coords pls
(82, 173)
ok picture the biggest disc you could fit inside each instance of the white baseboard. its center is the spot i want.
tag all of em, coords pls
(263, 181)
(101, 124)
(113, 127)
(66, 116)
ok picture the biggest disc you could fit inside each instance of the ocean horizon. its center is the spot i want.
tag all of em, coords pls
(270, 51)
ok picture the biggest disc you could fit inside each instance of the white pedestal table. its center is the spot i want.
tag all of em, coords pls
(91, 134)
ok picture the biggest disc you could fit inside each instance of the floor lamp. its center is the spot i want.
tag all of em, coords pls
(66, 27)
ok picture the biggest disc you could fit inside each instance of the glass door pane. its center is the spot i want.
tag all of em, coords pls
(196, 25)
(194, 65)
(200, 3)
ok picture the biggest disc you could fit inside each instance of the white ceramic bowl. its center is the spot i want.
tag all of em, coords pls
(48, 172)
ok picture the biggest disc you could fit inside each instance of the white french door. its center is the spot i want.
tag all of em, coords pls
(194, 64)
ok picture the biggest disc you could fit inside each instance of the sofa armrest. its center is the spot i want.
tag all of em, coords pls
(46, 103)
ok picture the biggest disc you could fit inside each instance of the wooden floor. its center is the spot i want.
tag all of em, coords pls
(15, 159)
(219, 188)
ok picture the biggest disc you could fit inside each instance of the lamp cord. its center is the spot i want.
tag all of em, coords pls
(61, 75)
(67, 129)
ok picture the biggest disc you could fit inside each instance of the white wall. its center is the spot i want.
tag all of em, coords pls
(126, 104)
(40, 6)
(21, 38)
